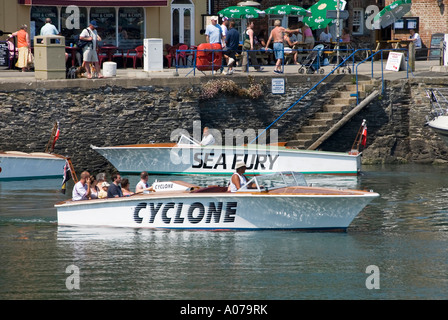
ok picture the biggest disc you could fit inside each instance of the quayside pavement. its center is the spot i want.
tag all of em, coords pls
(11, 79)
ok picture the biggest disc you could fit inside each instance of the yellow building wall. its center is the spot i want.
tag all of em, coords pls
(158, 19)
(12, 16)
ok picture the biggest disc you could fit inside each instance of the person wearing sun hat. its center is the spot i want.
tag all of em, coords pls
(238, 178)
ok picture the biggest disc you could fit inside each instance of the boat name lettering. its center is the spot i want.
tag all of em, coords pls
(172, 212)
(161, 186)
(211, 160)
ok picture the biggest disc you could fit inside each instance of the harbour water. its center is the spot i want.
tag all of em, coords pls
(403, 234)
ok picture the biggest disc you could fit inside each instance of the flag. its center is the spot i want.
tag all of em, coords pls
(66, 177)
(364, 136)
(56, 137)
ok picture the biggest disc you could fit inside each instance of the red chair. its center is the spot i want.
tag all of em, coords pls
(182, 54)
(134, 54)
(170, 55)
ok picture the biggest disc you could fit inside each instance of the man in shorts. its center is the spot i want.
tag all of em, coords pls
(89, 51)
(277, 37)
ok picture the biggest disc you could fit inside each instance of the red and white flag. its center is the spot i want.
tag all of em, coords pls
(56, 137)
(364, 136)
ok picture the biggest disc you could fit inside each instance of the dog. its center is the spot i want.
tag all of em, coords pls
(80, 71)
(75, 72)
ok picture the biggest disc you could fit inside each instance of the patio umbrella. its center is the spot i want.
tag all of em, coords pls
(288, 9)
(241, 12)
(248, 3)
(392, 12)
(318, 19)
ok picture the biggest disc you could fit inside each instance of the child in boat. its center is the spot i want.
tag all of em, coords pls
(102, 194)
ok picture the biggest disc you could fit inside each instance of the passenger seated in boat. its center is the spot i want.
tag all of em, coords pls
(238, 178)
(94, 190)
(207, 138)
(114, 190)
(143, 186)
(81, 190)
(125, 188)
(103, 192)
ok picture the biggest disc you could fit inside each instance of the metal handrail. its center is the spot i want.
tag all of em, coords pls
(382, 69)
(304, 95)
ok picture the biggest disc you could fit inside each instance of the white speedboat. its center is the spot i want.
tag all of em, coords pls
(189, 157)
(276, 201)
(15, 165)
(440, 125)
(438, 118)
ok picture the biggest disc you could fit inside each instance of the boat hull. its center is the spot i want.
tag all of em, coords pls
(21, 166)
(440, 126)
(223, 211)
(222, 160)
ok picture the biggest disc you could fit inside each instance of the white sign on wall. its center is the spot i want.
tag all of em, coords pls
(278, 85)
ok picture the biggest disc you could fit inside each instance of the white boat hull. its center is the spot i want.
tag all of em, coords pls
(208, 160)
(229, 211)
(19, 165)
(440, 126)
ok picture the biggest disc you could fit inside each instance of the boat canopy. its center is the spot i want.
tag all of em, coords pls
(275, 180)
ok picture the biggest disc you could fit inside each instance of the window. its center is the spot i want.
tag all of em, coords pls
(130, 27)
(358, 21)
(73, 22)
(105, 18)
(38, 16)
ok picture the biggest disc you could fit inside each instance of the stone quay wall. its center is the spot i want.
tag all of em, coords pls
(117, 112)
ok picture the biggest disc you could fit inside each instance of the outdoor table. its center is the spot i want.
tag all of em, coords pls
(109, 51)
(72, 51)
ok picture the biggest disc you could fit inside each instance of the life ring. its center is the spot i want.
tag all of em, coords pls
(209, 56)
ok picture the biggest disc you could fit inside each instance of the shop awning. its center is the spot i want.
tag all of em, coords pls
(97, 3)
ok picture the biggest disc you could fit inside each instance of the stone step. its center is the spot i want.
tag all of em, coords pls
(345, 101)
(299, 144)
(307, 136)
(334, 107)
(327, 115)
(313, 129)
(320, 122)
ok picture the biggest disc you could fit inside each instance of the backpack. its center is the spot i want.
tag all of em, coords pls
(82, 43)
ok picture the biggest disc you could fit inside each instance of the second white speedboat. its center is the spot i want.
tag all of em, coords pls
(189, 157)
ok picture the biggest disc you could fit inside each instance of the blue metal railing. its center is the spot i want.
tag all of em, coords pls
(382, 68)
(304, 95)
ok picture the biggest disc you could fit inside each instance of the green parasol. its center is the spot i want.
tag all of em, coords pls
(241, 12)
(318, 19)
(392, 12)
(287, 9)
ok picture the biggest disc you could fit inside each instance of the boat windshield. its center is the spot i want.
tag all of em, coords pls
(439, 102)
(275, 180)
(187, 141)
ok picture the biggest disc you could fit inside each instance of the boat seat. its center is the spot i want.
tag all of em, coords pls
(211, 189)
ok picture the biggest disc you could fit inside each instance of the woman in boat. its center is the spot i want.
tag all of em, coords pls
(94, 190)
(125, 188)
(238, 178)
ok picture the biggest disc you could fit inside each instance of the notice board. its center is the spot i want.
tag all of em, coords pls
(434, 52)
(4, 54)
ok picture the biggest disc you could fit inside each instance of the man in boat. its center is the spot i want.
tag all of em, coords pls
(238, 178)
(143, 186)
(81, 190)
(114, 190)
(207, 138)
